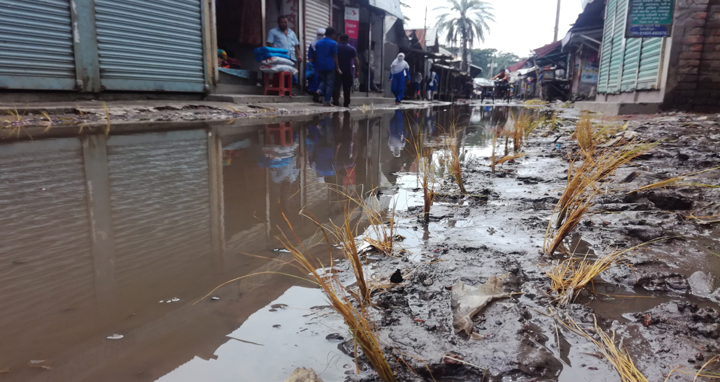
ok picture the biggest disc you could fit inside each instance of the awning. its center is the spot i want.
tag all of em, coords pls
(390, 6)
(483, 82)
(475, 71)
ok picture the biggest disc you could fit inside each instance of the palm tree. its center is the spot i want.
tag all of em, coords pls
(467, 21)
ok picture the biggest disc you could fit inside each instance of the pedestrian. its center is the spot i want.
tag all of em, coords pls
(432, 83)
(310, 71)
(369, 67)
(283, 37)
(418, 85)
(347, 58)
(399, 74)
(327, 65)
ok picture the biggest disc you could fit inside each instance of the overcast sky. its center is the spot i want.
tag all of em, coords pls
(520, 25)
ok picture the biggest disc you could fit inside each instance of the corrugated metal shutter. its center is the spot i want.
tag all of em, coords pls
(46, 262)
(626, 64)
(618, 48)
(650, 59)
(36, 45)
(630, 63)
(160, 196)
(317, 15)
(607, 44)
(150, 45)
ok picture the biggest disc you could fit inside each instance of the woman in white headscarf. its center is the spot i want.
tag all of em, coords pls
(399, 74)
(431, 86)
(311, 52)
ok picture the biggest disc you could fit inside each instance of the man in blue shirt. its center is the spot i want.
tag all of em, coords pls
(347, 58)
(326, 53)
(283, 37)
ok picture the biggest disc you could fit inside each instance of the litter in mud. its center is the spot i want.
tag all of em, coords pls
(468, 301)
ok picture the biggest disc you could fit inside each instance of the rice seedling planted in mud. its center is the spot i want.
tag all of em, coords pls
(426, 173)
(608, 347)
(570, 276)
(454, 163)
(357, 318)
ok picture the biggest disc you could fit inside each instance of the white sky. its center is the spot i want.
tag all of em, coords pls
(520, 25)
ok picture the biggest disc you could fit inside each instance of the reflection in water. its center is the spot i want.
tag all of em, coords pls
(98, 230)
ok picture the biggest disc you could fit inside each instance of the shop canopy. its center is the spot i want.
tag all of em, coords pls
(390, 6)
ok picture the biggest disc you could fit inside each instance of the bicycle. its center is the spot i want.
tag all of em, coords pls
(502, 91)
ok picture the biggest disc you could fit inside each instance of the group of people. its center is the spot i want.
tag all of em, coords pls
(334, 65)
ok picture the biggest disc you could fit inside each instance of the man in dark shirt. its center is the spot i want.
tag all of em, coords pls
(347, 56)
(327, 64)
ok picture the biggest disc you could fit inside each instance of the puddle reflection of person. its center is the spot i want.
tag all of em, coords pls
(345, 150)
(321, 159)
(430, 126)
(396, 139)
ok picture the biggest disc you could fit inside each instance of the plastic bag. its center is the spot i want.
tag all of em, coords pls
(278, 69)
(277, 61)
(467, 301)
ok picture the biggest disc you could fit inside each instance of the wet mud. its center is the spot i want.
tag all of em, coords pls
(190, 209)
(662, 300)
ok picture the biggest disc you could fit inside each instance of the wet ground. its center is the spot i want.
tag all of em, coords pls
(120, 236)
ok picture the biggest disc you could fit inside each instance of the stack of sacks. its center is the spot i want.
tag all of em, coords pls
(274, 60)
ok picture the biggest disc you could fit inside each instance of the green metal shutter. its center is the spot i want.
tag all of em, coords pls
(150, 45)
(630, 64)
(618, 49)
(36, 45)
(650, 59)
(608, 31)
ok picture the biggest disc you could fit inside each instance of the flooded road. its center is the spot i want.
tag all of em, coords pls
(109, 237)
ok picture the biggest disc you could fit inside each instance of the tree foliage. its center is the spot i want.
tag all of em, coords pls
(465, 22)
(483, 57)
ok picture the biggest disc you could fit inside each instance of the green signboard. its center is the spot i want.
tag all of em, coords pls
(649, 18)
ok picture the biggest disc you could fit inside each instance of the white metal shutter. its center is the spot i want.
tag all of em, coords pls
(36, 45)
(607, 44)
(46, 262)
(317, 15)
(160, 196)
(150, 45)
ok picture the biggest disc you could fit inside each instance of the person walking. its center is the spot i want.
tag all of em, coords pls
(369, 67)
(326, 54)
(399, 74)
(283, 37)
(432, 83)
(311, 75)
(418, 85)
(347, 57)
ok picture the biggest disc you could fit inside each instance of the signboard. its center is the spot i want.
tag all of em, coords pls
(589, 74)
(352, 22)
(649, 18)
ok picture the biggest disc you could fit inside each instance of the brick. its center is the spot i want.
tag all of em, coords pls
(688, 71)
(686, 86)
(686, 93)
(713, 31)
(712, 40)
(709, 85)
(709, 56)
(700, 15)
(693, 23)
(687, 78)
(689, 63)
(690, 55)
(696, 47)
(694, 40)
(695, 32)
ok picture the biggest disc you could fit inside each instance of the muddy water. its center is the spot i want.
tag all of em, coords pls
(120, 236)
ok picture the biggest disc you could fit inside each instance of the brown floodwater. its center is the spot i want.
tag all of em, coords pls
(119, 236)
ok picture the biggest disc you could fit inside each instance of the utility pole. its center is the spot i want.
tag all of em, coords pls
(492, 65)
(557, 21)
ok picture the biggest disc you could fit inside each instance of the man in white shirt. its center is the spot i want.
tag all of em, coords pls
(283, 37)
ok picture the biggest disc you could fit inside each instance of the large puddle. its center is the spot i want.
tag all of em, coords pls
(107, 243)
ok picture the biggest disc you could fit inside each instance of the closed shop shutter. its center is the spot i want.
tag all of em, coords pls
(626, 64)
(150, 45)
(46, 263)
(650, 59)
(36, 45)
(607, 43)
(317, 15)
(160, 198)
